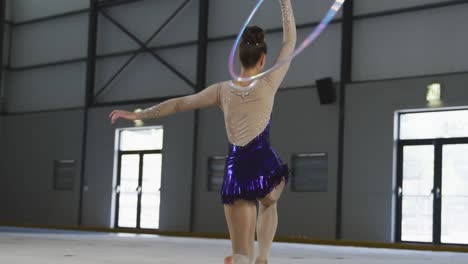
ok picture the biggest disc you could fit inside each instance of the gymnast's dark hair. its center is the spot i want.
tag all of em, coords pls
(252, 46)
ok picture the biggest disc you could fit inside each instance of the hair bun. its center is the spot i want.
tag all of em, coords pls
(252, 46)
(253, 36)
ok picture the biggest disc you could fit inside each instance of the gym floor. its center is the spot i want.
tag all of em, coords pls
(41, 246)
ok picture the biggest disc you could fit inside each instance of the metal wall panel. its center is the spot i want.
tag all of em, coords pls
(32, 143)
(23, 10)
(50, 41)
(146, 77)
(3, 193)
(6, 44)
(46, 88)
(142, 19)
(411, 44)
(371, 6)
(8, 10)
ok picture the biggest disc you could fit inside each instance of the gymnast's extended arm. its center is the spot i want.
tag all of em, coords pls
(289, 42)
(206, 98)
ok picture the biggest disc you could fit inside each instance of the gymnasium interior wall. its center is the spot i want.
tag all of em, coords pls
(398, 48)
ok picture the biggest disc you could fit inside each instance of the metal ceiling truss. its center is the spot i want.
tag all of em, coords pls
(144, 47)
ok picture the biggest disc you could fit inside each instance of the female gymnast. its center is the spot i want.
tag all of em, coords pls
(253, 172)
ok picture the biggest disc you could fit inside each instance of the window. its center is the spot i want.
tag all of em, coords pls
(310, 172)
(216, 166)
(64, 174)
(442, 124)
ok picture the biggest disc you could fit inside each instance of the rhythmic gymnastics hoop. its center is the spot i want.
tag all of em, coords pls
(309, 40)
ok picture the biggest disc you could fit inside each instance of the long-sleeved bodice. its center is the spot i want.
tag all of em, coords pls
(244, 116)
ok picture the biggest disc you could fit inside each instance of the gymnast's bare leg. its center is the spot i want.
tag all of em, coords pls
(267, 224)
(241, 218)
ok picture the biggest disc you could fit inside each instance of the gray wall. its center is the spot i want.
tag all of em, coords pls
(3, 196)
(428, 42)
(176, 171)
(31, 144)
(23, 10)
(49, 41)
(8, 10)
(45, 88)
(369, 181)
(432, 42)
(39, 95)
(300, 125)
(61, 39)
(6, 49)
(146, 76)
(370, 6)
(65, 38)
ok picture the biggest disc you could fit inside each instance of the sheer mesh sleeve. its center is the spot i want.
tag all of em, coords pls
(206, 98)
(289, 43)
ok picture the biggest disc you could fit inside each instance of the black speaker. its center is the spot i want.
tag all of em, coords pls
(326, 91)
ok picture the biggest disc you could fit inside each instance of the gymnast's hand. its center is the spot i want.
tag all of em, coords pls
(116, 114)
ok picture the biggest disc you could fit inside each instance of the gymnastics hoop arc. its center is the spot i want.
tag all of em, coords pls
(309, 40)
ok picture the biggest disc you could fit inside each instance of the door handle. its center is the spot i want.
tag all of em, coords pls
(436, 192)
(399, 191)
(138, 189)
(117, 189)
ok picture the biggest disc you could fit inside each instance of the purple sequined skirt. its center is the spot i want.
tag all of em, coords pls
(252, 171)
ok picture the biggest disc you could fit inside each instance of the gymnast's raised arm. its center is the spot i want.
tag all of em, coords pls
(289, 43)
(206, 98)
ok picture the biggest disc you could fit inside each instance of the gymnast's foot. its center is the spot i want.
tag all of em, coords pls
(228, 260)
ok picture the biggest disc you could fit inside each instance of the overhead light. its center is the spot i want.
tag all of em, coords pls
(138, 123)
(434, 94)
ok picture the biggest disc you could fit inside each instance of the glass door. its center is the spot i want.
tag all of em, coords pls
(151, 187)
(432, 177)
(139, 178)
(128, 191)
(455, 194)
(416, 193)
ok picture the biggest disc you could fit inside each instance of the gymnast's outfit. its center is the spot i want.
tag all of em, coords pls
(253, 169)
